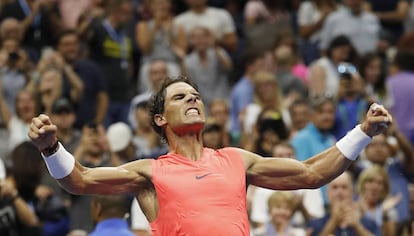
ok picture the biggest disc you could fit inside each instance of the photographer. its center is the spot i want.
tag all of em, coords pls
(351, 100)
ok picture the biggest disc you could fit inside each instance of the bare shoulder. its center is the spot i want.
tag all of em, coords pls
(141, 167)
(249, 158)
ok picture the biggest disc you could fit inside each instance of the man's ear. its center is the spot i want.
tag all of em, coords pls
(160, 120)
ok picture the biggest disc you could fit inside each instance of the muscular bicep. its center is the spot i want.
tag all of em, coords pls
(277, 173)
(286, 174)
(122, 179)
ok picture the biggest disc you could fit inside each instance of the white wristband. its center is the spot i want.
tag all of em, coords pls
(60, 164)
(353, 143)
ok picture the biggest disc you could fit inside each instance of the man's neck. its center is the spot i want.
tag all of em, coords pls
(199, 9)
(187, 145)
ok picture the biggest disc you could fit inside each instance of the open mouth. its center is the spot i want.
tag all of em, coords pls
(192, 111)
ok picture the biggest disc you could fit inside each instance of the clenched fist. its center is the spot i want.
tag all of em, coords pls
(377, 120)
(43, 132)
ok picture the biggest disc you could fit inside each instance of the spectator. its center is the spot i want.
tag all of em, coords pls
(14, 69)
(218, 111)
(71, 10)
(218, 21)
(19, 123)
(17, 215)
(392, 15)
(316, 137)
(379, 152)
(160, 39)
(344, 216)
(311, 18)
(63, 115)
(400, 86)
(120, 143)
(372, 70)
(212, 135)
(39, 20)
(352, 103)
(109, 214)
(148, 144)
(93, 104)
(111, 48)
(324, 77)
(299, 113)
(157, 73)
(10, 29)
(208, 65)
(265, 20)
(360, 26)
(93, 150)
(373, 187)
(139, 223)
(242, 92)
(281, 207)
(90, 16)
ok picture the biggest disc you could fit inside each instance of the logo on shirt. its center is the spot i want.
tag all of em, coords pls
(202, 176)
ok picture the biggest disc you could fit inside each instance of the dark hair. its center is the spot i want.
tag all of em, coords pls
(404, 60)
(27, 168)
(340, 41)
(156, 104)
(364, 61)
(63, 34)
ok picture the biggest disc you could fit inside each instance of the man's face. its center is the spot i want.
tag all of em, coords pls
(353, 4)
(323, 117)
(220, 113)
(125, 12)
(63, 120)
(340, 189)
(183, 109)
(158, 72)
(25, 105)
(69, 47)
(378, 150)
(300, 116)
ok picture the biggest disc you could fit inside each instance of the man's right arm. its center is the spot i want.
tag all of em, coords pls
(78, 179)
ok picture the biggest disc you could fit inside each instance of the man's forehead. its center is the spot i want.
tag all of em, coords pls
(179, 87)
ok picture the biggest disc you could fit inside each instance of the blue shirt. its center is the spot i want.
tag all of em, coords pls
(240, 97)
(399, 184)
(348, 115)
(310, 141)
(317, 226)
(112, 227)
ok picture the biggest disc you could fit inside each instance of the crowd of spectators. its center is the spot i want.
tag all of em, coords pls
(283, 78)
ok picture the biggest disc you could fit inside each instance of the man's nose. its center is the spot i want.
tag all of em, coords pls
(192, 98)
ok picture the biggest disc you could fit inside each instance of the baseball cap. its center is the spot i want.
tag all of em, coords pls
(62, 105)
(119, 135)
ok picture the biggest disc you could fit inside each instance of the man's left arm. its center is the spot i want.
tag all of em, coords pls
(282, 173)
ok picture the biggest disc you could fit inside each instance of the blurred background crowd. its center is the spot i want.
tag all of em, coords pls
(283, 78)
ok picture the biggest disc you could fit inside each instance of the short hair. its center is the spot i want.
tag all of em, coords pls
(404, 59)
(281, 197)
(339, 41)
(157, 102)
(113, 204)
(113, 5)
(63, 34)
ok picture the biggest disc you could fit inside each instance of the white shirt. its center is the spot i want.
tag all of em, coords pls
(309, 14)
(219, 21)
(138, 219)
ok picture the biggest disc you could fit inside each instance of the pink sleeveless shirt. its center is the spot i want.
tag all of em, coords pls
(205, 197)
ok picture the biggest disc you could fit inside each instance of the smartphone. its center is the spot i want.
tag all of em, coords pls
(346, 70)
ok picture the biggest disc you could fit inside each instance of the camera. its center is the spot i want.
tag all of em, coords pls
(346, 70)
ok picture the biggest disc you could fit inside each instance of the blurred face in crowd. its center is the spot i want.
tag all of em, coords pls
(10, 29)
(25, 106)
(281, 205)
(220, 112)
(158, 72)
(373, 188)
(350, 87)
(340, 189)
(323, 116)
(354, 5)
(196, 3)
(64, 120)
(143, 118)
(124, 13)
(160, 8)
(212, 139)
(378, 150)
(299, 114)
(340, 53)
(283, 151)
(201, 38)
(372, 71)
(68, 47)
